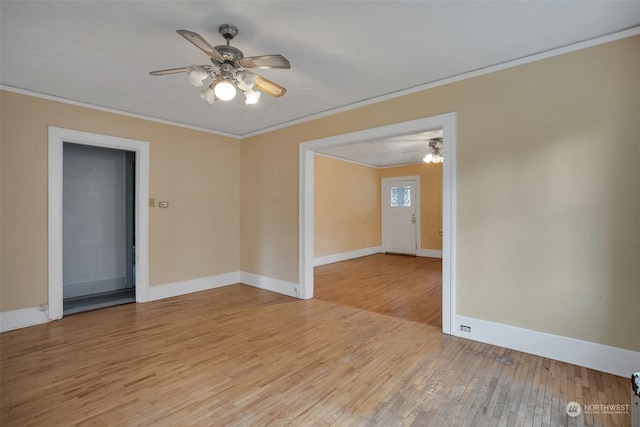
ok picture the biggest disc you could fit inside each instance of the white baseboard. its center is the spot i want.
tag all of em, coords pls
(591, 355)
(16, 319)
(600, 357)
(267, 283)
(330, 259)
(344, 256)
(194, 285)
(23, 318)
(429, 253)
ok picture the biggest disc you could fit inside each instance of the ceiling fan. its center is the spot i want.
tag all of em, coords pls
(434, 154)
(229, 69)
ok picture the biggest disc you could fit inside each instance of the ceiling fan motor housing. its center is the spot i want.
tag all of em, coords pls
(435, 143)
(228, 31)
(229, 53)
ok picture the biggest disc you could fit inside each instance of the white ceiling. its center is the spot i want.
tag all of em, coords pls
(341, 52)
(400, 150)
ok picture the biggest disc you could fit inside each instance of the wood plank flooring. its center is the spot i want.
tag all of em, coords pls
(406, 287)
(241, 356)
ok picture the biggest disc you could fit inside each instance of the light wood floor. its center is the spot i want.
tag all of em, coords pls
(406, 287)
(240, 356)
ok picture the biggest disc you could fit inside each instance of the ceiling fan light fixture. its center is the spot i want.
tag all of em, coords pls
(229, 70)
(225, 90)
(245, 80)
(435, 156)
(252, 96)
(208, 95)
(196, 75)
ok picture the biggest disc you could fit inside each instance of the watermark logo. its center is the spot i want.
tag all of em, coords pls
(573, 409)
(607, 408)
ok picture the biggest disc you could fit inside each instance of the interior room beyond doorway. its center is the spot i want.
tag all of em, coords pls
(405, 287)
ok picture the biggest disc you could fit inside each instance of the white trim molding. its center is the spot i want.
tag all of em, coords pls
(446, 122)
(430, 253)
(441, 82)
(344, 256)
(175, 289)
(23, 318)
(359, 253)
(57, 138)
(48, 97)
(456, 78)
(270, 284)
(591, 355)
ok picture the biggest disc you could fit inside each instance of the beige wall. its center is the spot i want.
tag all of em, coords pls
(430, 200)
(196, 172)
(346, 206)
(548, 195)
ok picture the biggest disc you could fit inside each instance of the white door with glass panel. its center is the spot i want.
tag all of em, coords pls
(399, 216)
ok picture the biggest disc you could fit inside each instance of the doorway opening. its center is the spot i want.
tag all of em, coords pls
(445, 122)
(98, 227)
(377, 245)
(92, 263)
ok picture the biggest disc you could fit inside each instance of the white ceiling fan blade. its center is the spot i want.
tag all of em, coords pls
(168, 71)
(265, 62)
(269, 87)
(200, 43)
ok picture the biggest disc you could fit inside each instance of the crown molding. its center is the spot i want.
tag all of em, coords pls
(464, 76)
(468, 75)
(113, 110)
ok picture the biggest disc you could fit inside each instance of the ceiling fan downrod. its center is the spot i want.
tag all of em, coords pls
(228, 31)
(230, 53)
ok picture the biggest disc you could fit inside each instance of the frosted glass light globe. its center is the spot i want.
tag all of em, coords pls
(252, 97)
(208, 95)
(225, 91)
(196, 76)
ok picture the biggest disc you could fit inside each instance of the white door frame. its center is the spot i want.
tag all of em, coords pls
(446, 122)
(57, 138)
(416, 179)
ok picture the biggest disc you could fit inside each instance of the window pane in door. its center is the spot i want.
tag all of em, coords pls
(401, 196)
